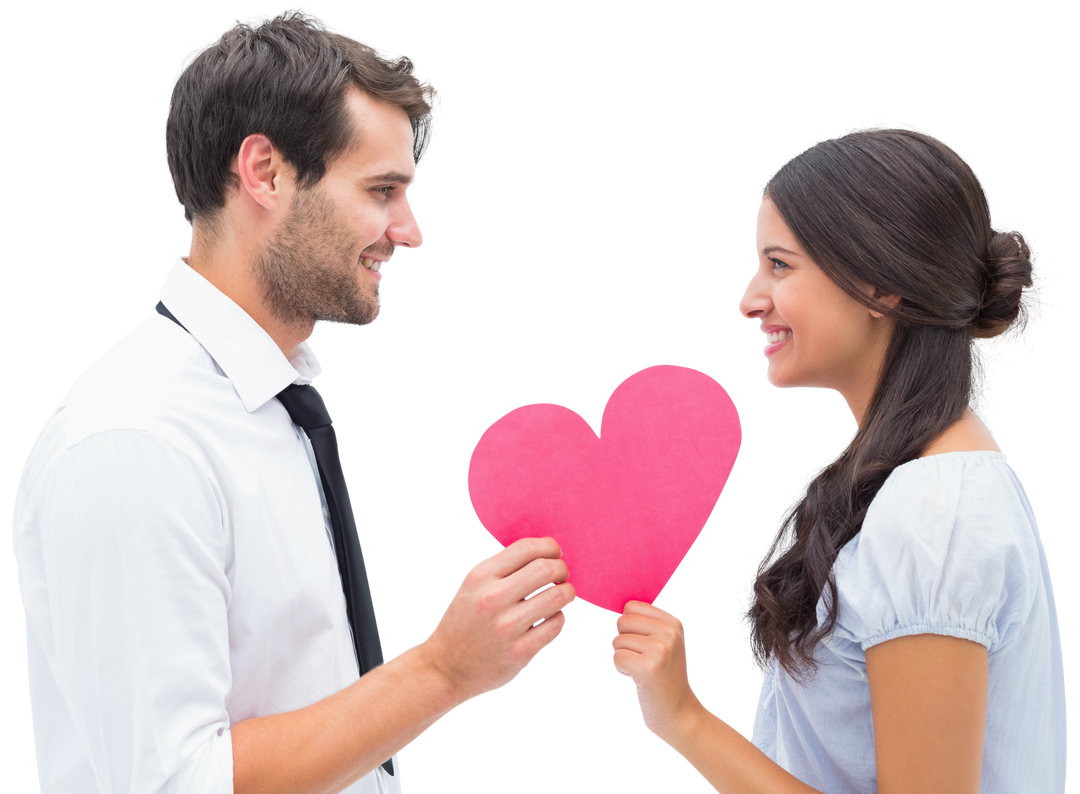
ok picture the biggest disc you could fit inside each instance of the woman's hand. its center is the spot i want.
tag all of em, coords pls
(650, 650)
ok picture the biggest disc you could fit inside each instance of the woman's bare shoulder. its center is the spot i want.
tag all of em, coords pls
(969, 434)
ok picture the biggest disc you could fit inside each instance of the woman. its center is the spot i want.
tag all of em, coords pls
(904, 613)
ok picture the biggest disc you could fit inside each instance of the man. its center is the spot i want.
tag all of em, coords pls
(179, 538)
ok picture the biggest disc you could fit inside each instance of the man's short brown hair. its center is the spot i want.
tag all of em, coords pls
(287, 79)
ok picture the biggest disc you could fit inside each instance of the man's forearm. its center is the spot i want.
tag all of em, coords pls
(326, 746)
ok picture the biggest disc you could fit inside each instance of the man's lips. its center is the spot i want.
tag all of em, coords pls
(371, 266)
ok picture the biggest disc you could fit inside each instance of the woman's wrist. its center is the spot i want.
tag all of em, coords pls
(684, 724)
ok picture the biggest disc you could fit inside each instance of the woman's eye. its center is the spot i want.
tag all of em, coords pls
(778, 264)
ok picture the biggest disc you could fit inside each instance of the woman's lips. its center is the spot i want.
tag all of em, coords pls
(770, 349)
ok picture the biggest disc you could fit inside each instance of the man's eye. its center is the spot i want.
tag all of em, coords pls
(384, 190)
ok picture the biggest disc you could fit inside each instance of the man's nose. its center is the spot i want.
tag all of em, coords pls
(404, 230)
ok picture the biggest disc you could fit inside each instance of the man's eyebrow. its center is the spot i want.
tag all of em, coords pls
(390, 176)
(776, 249)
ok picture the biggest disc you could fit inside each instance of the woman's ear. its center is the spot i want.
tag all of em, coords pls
(890, 300)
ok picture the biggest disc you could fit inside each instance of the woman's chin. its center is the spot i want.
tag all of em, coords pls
(778, 382)
(781, 379)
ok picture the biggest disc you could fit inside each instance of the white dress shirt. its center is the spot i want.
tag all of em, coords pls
(174, 557)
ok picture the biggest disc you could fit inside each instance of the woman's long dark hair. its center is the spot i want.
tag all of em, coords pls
(901, 212)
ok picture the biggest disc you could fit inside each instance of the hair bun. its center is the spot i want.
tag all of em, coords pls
(1008, 272)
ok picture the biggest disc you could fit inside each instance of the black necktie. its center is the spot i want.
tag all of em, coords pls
(307, 410)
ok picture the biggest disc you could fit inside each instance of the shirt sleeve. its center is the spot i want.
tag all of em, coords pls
(947, 547)
(134, 550)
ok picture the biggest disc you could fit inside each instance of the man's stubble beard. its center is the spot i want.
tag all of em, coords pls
(307, 270)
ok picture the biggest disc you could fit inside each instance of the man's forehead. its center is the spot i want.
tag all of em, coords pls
(382, 138)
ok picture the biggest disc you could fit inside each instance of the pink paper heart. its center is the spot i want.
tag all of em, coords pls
(626, 506)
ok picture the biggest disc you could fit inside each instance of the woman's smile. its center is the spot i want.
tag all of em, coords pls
(817, 334)
(777, 336)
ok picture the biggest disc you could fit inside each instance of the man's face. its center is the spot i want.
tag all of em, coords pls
(323, 260)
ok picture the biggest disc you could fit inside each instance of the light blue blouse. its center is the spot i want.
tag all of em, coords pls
(949, 546)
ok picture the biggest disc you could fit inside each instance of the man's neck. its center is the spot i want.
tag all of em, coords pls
(233, 281)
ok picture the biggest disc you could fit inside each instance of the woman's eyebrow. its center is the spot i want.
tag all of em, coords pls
(776, 249)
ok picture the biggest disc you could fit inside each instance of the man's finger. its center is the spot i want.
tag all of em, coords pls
(521, 553)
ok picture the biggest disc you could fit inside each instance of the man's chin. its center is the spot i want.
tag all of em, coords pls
(355, 321)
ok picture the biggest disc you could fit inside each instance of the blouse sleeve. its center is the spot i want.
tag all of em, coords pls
(948, 546)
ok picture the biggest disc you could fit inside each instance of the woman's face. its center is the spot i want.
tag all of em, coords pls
(817, 334)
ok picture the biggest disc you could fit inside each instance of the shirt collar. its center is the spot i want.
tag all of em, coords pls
(244, 351)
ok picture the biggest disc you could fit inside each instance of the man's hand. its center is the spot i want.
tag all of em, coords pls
(492, 629)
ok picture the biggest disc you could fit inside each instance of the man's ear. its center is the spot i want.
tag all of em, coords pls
(260, 169)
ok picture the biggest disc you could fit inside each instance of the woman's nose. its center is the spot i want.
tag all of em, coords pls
(753, 300)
